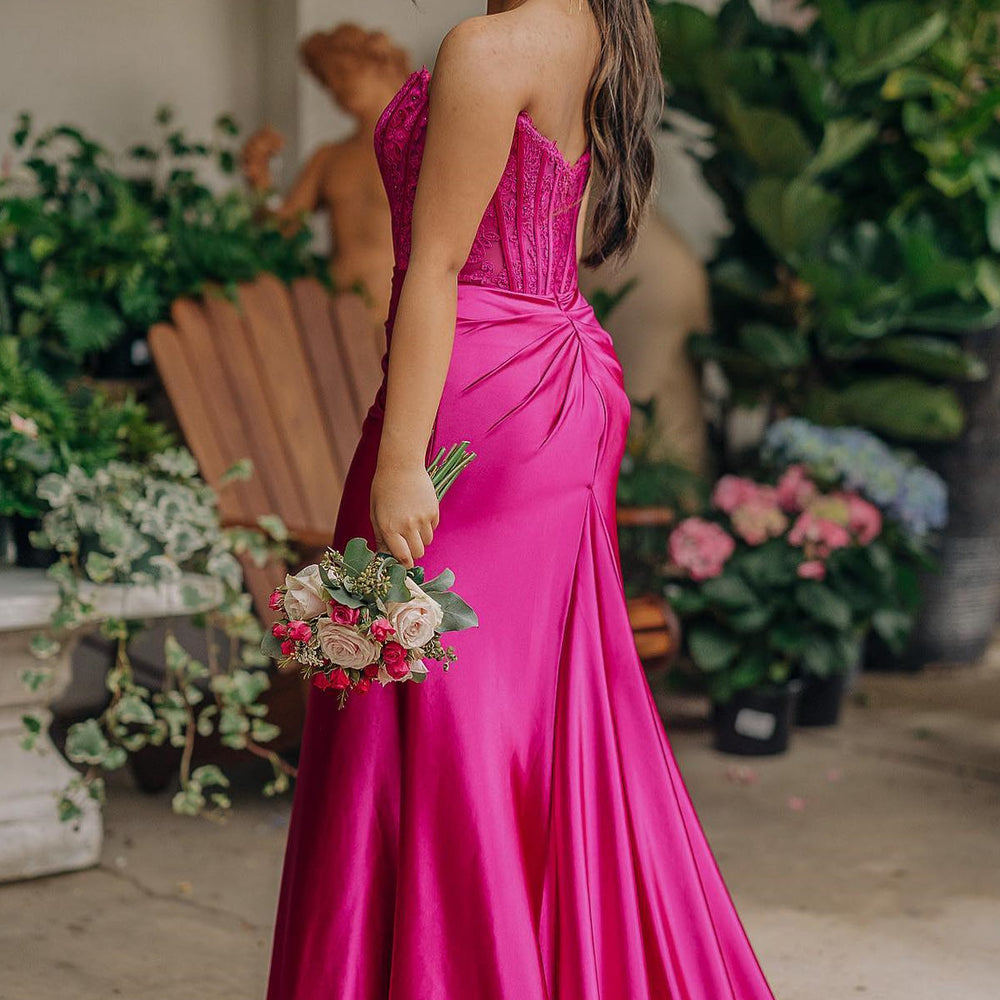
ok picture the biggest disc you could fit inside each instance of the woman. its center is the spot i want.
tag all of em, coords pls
(516, 829)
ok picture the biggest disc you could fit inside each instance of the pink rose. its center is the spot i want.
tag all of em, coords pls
(758, 519)
(345, 645)
(812, 569)
(864, 519)
(299, 631)
(731, 491)
(305, 597)
(381, 629)
(416, 620)
(342, 614)
(795, 489)
(700, 547)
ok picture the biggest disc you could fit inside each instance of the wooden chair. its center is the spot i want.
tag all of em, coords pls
(284, 377)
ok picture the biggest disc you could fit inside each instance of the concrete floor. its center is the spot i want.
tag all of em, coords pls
(864, 863)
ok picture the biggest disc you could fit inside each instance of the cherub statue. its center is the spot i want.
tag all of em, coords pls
(361, 70)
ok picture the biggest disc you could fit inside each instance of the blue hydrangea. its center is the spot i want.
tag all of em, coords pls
(909, 492)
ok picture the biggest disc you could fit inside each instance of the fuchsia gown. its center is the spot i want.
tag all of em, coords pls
(515, 829)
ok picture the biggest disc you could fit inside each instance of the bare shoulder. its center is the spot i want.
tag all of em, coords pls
(513, 51)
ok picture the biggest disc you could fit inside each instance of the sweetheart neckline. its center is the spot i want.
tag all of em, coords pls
(523, 116)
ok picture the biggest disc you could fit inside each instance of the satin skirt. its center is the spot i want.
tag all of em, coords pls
(516, 828)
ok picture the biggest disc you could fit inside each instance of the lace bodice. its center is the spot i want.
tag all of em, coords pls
(526, 240)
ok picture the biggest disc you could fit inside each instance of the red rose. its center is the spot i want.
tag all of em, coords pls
(371, 671)
(276, 600)
(394, 658)
(363, 686)
(279, 630)
(299, 631)
(381, 629)
(321, 681)
(288, 647)
(342, 614)
(339, 680)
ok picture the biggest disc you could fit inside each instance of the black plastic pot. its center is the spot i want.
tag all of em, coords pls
(821, 699)
(756, 722)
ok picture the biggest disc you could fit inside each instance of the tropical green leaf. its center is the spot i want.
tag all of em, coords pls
(823, 604)
(712, 649)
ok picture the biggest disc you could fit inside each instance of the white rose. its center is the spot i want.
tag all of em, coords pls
(345, 645)
(415, 620)
(305, 598)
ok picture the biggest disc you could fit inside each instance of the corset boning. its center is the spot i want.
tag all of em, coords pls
(526, 241)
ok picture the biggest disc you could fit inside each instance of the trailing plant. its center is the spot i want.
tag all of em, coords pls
(857, 153)
(152, 523)
(93, 250)
(47, 428)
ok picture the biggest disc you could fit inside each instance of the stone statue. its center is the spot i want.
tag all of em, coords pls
(361, 70)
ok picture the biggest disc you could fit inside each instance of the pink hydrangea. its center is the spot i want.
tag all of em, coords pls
(700, 547)
(818, 536)
(732, 491)
(812, 569)
(795, 489)
(864, 519)
(759, 518)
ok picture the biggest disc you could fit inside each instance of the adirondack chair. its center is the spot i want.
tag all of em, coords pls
(284, 377)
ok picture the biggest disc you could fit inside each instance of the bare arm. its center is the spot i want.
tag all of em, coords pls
(472, 111)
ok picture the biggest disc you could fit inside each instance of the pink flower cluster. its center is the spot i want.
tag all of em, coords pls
(816, 522)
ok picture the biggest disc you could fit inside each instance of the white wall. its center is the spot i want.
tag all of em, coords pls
(106, 65)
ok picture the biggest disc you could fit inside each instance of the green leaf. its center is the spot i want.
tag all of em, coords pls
(712, 649)
(729, 591)
(993, 222)
(822, 604)
(885, 38)
(843, 140)
(931, 356)
(773, 140)
(87, 326)
(893, 627)
(781, 348)
(457, 614)
(899, 406)
(443, 581)
(793, 216)
(357, 555)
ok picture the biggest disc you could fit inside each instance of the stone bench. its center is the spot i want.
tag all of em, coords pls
(33, 840)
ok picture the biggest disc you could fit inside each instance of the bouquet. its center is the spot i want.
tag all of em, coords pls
(359, 616)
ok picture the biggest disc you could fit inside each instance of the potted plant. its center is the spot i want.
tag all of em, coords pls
(46, 428)
(855, 154)
(775, 585)
(142, 524)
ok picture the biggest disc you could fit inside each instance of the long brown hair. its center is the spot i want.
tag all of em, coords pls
(624, 106)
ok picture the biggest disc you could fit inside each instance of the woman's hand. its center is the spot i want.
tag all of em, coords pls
(404, 511)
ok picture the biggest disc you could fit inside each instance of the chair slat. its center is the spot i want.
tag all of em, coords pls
(284, 367)
(329, 363)
(268, 446)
